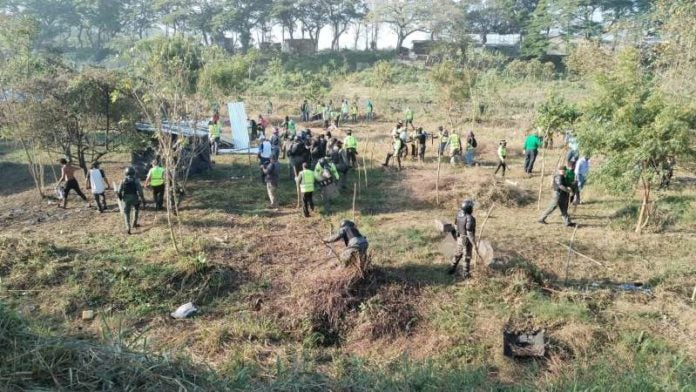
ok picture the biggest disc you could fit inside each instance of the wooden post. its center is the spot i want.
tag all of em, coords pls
(693, 295)
(570, 253)
(541, 178)
(483, 226)
(365, 171)
(355, 193)
(437, 182)
(297, 187)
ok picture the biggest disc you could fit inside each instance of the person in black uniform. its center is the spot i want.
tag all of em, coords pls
(465, 224)
(421, 138)
(561, 197)
(356, 244)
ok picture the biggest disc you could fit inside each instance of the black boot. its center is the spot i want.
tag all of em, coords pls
(453, 267)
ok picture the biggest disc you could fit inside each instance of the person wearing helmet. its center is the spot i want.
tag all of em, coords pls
(327, 176)
(562, 189)
(465, 224)
(356, 244)
(130, 193)
(296, 155)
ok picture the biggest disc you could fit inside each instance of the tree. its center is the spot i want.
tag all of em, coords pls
(535, 37)
(635, 130)
(489, 16)
(554, 116)
(340, 13)
(313, 18)
(455, 86)
(677, 60)
(287, 14)
(405, 17)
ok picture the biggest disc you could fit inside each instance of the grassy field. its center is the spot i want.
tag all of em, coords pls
(277, 313)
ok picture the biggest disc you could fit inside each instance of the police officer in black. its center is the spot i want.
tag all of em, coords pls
(465, 225)
(356, 243)
(561, 197)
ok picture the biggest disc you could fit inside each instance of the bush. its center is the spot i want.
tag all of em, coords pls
(530, 70)
(587, 59)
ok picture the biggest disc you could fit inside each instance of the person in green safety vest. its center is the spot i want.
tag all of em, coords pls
(155, 180)
(214, 136)
(306, 181)
(397, 143)
(455, 146)
(409, 117)
(502, 155)
(354, 112)
(350, 143)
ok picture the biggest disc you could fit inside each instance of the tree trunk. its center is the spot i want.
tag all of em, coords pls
(399, 41)
(643, 215)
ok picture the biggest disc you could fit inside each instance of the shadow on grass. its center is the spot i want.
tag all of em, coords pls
(17, 178)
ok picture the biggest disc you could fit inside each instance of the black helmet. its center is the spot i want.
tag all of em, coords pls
(468, 206)
(347, 223)
(129, 172)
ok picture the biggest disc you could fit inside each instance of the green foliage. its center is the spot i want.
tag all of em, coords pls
(223, 75)
(455, 85)
(555, 115)
(530, 70)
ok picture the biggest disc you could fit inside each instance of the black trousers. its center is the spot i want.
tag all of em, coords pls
(73, 185)
(390, 155)
(501, 164)
(529, 158)
(352, 156)
(158, 195)
(100, 198)
(560, 200)
(307, 202)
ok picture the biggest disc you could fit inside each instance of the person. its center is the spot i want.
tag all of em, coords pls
(296, 155)
(396, 151)
(471, 145)
(131, 195)
(354, 112)
(356, 244)
(422, 138)
(306, 180)
(582, 167)
(350, 143)
(571, 180)
(409, 117)
(338, 157)
(561, 196)
(265, 154)
(67, 175)
(271, 172)
(262, 124)
(304, 111)
(344, 110)
(403, 135)
(531, 149)
(370, 113)
(275, 142)
(326, 115)
(291, 127)
(326, 175)
(465, 225)
(502, 155)
(455, 146)
(214, 137)
(253, 129)
(155, 180)
(98, 184)
(443, 134)
(269, 107)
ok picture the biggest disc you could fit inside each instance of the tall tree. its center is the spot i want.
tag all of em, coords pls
(340, 13)
(535, 39)
(313, 19)
(287, 13)
(403, 17)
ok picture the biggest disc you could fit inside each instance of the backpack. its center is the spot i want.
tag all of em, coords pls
(473, 142)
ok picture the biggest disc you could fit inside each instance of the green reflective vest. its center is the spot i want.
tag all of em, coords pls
(409, 114)
(307, 184)
(350, 142)
(318, 171)
(156, 176)
(502, 152)
(291, 126)
(455, 142)
(214, 130)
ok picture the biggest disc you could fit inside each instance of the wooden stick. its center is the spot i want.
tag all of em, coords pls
(365, 171)
(541, 178)
(693, 295)
(437, 181)
(483, 226)
(582, 255)
(355, 193)
(570, 253)
(297, 187)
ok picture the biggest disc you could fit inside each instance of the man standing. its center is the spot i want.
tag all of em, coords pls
(561, 196)
(131, 194)
(582, 167)
(444, 139)
(265, 154)
(356, 244)
(422, 138)
(306, 180)
(396, 151)
(214, 136)
(98, 184)
(275, 143)
(271, 171)
(409, 117)
(67, 175)
(304, 111)
(502, 155)
(370, 108)
(354, 112)
(155, 180)
(465, 224)
(455, 145)
(344, 110)
(531, 149)
(471, 145)
(350, 143)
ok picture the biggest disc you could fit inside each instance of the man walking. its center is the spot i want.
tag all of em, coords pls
(98, 184)
(422, 138)
(465, 225)
(409, 117)
(502, 155)
(396, 151)
(155, 180)
(350, 143)
(582, 167)
(67, 175)
(531, 150)
(369, 115)
(455, 145)
(271, 171)
(561, 197)
(306, 181)
(131, 194)
(471, 145)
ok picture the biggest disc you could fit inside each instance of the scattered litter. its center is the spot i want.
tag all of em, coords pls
(523, 344)
(634, 287)
(184, 311)
(87, 315)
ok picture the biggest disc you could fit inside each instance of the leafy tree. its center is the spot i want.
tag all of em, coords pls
(489, 16)
(340, 13)
(555, 115)
(403, 17)
(635, 130)
(535, 37)
(677, 60)
(286, 12)
(313, 18)
(455, 85)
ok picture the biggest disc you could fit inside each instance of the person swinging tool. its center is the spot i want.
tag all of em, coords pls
(356, 244)
(465, 232)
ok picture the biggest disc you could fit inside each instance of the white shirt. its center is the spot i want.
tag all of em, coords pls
(265, 149)
(96, 181)
(582, 166)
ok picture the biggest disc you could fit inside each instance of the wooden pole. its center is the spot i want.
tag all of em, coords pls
(437, 181)
(570, 253)
(365, 171)
(355, 193)
(581, 254)
(297, 187)
(693, 295)
(483, 226)
(541, 178)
